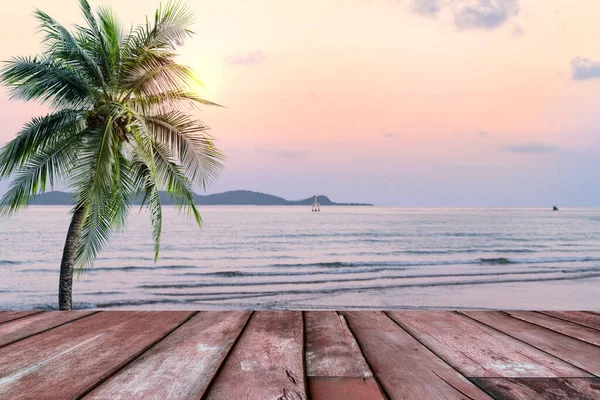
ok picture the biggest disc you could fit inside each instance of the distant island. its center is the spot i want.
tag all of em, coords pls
(231, 198)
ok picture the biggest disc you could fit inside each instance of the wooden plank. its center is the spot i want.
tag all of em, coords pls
(576, 352)
(266, 362)
(403, 366)
(477, 350)
(541, 388)
(180, 366)
(578, 317)
(580, 332)
(344, 389)
(67, 361)
(335, 366)
(24, 327)
(331, 350)
(6, 316)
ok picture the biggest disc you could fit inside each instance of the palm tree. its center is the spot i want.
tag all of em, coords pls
(116, 130)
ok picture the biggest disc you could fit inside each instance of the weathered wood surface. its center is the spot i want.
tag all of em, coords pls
(581, 354)
(335, 366)
(261, 355)
(23, 327)
(6, 316)
(541, 388)
(405, 368)
(331, 350)
(344, 389)
(580, 332)
(591, 320)
(267, 360)
(476, 350)
(69, 360)
(182, 365)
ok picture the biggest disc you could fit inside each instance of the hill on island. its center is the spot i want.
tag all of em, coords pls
(231, 198)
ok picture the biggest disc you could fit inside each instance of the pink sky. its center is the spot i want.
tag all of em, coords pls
(410, 102)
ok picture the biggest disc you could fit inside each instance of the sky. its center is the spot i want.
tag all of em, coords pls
(408, 102)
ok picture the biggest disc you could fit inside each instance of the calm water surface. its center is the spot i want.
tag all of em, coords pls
(343, 257)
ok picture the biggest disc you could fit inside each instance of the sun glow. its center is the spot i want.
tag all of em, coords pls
(208, 74)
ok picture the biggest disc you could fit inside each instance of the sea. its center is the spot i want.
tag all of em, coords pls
(262, 257)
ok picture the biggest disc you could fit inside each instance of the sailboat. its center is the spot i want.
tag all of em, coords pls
(316, 207)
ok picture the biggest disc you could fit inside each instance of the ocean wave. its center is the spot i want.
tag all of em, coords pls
(234, 274)
(408, 263)
(206, 299)
(436, 252)
(564, 272)
(312, 290)
(10, 262)
(339, 267)
(143, 268)
(125, 268)
(498, 260)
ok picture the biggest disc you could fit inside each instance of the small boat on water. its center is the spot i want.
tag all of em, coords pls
(316, 207)
(554, 208)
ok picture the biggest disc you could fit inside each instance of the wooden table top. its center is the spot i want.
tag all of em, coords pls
(300, 354)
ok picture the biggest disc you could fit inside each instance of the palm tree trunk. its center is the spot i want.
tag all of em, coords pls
(67, 265)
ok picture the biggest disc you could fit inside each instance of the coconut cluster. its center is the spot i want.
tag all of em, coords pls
(121, 124)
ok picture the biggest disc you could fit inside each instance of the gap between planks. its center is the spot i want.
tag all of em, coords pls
(424, 345)
(400, 377)
(84, 315)
(135, 356)
(553, 355)
(15, 315)
(575, 331)
(575, 317)
(382, 390)
(220, 367)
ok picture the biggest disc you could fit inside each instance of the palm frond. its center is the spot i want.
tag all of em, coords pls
(168, 30)
(93, 177)
(191, 145)
(144, 182)
(62, 45)
(171, 176)
(159, 76)
(151, 199)
(45, 80)
(111, 31)
(93, 40)
(122, 190)
(152, 44)
(171, 25)
(46, 166)
(164, 102)
(36, 135)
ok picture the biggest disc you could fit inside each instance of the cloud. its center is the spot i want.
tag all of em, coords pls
(291, 153)
(285, 153)
(537, 148)
(427, 8)
(249, 58)
(584, 68)
(483, 14)
(483, 134)
(388, 135)
(517, 31)
(472, 14)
